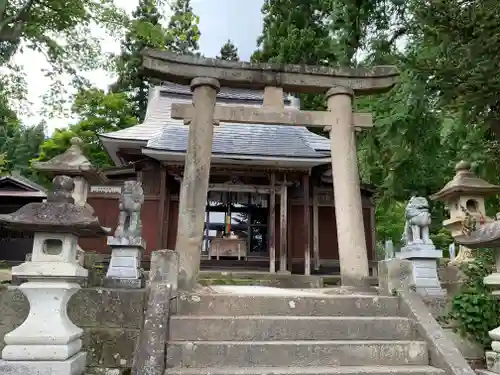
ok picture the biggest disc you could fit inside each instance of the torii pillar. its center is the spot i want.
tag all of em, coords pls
(206, 75)
(353, 256)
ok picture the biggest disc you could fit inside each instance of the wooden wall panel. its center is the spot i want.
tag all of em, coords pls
(106, 209)
(368, 233)
(151, 181)
(328, 243)
(172, 224)
(297, 232)
(150, 226)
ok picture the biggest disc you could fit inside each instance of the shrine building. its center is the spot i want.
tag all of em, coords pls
(270, 189)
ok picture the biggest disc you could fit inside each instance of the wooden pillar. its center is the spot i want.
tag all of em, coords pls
(272, 225)
(161, 207)
(307, 224)
(289, 231)
(373, 244)
(316, 259)
(283, 226)
(166, 222)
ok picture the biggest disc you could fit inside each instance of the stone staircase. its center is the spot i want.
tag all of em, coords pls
(294, 334)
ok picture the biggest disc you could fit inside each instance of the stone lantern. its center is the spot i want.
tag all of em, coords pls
(73, 163)
(464, 196)
(48, 342)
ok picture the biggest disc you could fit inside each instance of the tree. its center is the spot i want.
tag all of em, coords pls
(62, 31)
(3, 162)
(18, 146)
(145, 31)
(18, 143)
(34, 23)
(297, 32)
(461, 45)
(229, 52)
(408, 129)
(99, 112)
(183, 28)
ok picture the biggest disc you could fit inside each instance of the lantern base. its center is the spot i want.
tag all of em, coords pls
(72, 366)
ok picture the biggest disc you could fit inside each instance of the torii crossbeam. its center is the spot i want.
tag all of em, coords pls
(338, 84)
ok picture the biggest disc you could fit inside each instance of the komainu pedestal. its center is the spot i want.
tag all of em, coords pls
(127, 244)
(419, 249)
(48, 342)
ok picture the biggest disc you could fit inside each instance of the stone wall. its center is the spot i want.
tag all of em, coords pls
(111, 320)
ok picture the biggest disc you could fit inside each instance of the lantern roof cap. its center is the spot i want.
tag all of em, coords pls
(465, 182)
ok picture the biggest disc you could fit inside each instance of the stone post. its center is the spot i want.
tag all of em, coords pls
(165, 268)
(348, 210)
(194, 188)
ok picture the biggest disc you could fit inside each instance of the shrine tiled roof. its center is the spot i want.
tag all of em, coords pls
(162, 133)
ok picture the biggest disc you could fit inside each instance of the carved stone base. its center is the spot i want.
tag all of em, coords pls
(493, 361)
(114, 283)
(424, 267)
(125, 264)
(72, 366)
(47, 334)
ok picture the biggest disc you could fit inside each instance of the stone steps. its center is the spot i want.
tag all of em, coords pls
(341, 370)
(293, 332)
(296, 353)
(261, 328)
(289, 305)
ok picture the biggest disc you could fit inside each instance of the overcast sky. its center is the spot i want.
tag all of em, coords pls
(238, 20)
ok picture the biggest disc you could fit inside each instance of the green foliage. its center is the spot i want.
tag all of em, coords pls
(390, 222)
(474, 310)
(3, 163)
(99, 112)
(146, 31)
(415, 143)
(442, 239)
(229, 52)
(183, 29)
(462, 44)
(18, 144)
(62, 31)
(297, 32)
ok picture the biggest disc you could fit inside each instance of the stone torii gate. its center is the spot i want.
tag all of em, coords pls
(340, 85)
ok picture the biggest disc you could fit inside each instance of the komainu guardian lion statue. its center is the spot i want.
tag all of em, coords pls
(131, 200)
(418, 220)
